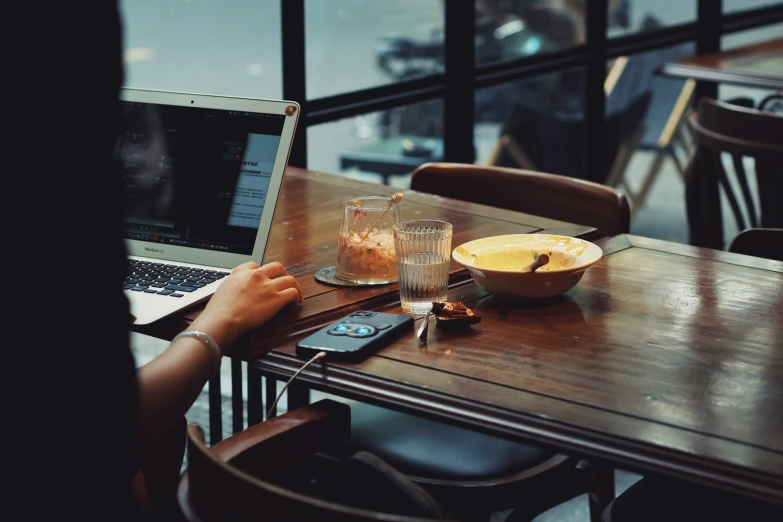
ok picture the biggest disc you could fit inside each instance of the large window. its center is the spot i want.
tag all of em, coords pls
(731, 6)
(353, 45)
(512, 29)
(227, 47)
(383, 146)
(388, 84)
(533, 123)
(629, 17)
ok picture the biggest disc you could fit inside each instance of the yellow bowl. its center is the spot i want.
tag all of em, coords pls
(496, 264)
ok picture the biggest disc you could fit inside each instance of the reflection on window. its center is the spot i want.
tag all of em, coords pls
(752, 96)
(384, 146)
(757, 35)
(627, 16)
(510, 29)
(636, 78)
(209, 47)
(357, 44)
(645, 148)
(535, 123)
(742, 5)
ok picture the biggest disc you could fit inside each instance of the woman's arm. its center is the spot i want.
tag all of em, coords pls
(169, 384)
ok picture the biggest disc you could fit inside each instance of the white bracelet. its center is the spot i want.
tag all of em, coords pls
(208, 341)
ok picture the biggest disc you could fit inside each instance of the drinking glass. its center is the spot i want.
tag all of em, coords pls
(423, 249)
(365, 248)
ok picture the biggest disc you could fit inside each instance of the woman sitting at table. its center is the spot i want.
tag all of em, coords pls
(102, 436)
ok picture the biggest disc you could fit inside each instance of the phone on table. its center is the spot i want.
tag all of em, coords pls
(355, 336)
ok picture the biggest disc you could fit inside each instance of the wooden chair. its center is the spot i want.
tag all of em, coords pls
(645, 111)
(739, 133)
(655, 499)
(267, 472)
(532, 138)
(663, 131)
(759, 242)
(547, 195)
(671, 144)
(471, 475)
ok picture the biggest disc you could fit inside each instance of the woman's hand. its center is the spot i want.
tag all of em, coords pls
(247, 298)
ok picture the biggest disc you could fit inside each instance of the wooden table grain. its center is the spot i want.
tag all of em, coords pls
(665, 358)
(756, 65)
(304, 234)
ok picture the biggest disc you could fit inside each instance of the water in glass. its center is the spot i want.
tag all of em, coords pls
(425, 280)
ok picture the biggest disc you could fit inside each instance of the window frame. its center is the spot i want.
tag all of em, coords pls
(461, 78)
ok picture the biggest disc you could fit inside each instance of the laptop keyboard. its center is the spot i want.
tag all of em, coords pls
(167, 280)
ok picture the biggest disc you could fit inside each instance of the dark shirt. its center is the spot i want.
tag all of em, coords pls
(75, 378)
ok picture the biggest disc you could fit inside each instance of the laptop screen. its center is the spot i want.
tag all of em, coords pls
(196, 177)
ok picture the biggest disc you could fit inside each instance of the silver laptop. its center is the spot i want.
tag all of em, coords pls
(202, 176)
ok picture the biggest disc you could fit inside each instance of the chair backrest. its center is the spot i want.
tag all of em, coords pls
(547, 195)
(722, 130)
(759, 242)
(261, 473)
(639, 76)
(554, 141)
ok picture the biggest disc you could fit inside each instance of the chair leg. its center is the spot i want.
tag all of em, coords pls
(298, 396)
(237, 401)
(516, 151)
(588, 482)
(255, 400)
(600, 491)
(649, 180)
(623, 158)
(497, 150)
(677, 163)
(271, 395)
(215, 410)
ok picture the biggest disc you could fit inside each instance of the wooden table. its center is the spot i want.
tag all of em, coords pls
(304, 239)
(665, 358)
(757, 65)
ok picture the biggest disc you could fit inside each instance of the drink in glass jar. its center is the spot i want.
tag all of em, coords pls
(365, 248)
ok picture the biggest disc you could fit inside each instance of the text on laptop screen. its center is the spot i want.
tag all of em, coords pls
(196, 177)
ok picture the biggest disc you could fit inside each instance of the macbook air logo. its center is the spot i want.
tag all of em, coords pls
(156, 250)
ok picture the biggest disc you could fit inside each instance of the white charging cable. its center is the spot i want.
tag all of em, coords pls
(319, 355)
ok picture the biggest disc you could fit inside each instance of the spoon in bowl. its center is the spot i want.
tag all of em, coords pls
(538, 263)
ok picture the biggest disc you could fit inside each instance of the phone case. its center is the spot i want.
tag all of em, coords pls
(354, 336)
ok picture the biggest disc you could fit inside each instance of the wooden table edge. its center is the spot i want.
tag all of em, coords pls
(509, 424)
(615, 244)
(282, 365)
(706, 74)
(691, 67)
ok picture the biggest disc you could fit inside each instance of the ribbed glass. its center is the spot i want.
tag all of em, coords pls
(423, 250)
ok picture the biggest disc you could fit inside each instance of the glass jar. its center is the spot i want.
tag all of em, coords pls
(365, 248)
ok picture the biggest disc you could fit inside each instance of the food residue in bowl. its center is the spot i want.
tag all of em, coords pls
(562, 251)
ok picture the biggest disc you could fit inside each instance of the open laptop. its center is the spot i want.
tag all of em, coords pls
(202, 176)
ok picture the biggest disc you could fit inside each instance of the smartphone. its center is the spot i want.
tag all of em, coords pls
(355, 336)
